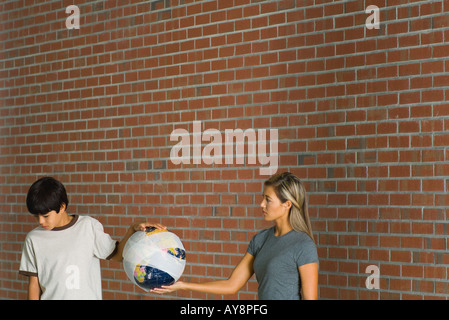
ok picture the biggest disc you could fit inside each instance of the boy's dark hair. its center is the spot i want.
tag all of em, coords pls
(45, 195)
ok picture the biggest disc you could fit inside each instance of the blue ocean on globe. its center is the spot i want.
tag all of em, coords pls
(149, 278)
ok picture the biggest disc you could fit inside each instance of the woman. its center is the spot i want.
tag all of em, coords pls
(283, 257)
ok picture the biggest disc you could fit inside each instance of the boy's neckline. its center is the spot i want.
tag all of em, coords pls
(71, 223)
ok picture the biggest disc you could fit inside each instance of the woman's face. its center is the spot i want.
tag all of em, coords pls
(273, 209)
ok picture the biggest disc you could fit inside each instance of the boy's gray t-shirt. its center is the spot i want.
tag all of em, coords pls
(277, 260)
(66, 259)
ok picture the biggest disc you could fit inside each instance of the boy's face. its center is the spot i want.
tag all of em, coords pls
(52, 219)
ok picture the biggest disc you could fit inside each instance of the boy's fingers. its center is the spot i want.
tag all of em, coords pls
(144, 225)
(156, 225)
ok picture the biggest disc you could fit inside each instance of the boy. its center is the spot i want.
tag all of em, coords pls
(61, 256)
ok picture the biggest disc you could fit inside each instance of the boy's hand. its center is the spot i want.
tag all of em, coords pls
(137, 226)
(141, 226)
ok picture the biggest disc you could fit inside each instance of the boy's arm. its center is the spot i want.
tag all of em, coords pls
(118, 256)
(34, 289)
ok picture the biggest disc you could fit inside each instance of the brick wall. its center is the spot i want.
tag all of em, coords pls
(361, 115)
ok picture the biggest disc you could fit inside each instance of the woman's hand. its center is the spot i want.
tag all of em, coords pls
(241, 274)
(168, 289)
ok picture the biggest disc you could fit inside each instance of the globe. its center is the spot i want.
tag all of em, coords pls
(154, 258)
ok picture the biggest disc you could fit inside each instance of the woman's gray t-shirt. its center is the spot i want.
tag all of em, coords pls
(277, 260)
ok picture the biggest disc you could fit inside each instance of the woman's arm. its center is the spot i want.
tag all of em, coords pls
(239, 276)
(309, 281)
(34, 289)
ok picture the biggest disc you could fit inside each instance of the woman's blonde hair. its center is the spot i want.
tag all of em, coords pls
(288, 187)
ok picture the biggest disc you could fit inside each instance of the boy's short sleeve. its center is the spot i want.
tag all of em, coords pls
(28, 265)
(104, 246)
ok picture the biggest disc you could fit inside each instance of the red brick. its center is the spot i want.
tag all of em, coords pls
(361, 114)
